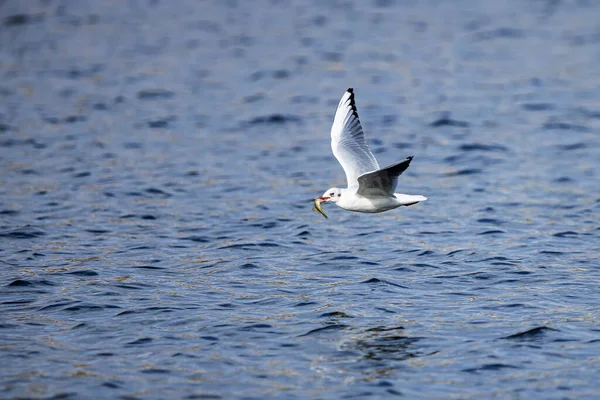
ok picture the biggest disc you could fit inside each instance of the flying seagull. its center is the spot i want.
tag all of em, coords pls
(370, 188)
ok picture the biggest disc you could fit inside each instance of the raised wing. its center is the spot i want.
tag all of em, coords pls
(348, 141)
(383, 181)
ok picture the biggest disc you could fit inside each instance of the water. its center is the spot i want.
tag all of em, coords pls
(158, 163)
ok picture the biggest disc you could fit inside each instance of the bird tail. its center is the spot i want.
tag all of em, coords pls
(409, 199)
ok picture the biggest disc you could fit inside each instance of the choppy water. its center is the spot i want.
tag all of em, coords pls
(158, 161)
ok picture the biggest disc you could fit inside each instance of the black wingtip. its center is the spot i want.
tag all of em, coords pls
(410, 158)
(352, 103)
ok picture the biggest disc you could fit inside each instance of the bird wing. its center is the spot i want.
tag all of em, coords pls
(382, 181)
(348, 141)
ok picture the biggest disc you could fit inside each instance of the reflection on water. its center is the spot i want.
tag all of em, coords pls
(385, 344)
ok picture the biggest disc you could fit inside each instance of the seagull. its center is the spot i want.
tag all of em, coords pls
(370, 188)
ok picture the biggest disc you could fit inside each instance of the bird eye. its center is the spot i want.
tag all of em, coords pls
(339, 194)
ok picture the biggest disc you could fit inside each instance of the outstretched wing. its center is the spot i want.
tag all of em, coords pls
(348, 141)
(383, 181)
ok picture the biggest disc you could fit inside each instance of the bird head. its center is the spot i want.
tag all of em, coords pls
(333, 195)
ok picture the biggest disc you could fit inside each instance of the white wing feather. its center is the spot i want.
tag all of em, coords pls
(348, 141)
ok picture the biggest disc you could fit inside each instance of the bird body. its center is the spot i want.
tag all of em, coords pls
(351, 201)
(370, 188)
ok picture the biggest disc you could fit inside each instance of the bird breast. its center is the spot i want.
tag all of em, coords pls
(354, 202)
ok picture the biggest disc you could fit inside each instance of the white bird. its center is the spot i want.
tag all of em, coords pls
(370, 189)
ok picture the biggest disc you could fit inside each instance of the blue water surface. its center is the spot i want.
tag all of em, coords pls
(158, 161)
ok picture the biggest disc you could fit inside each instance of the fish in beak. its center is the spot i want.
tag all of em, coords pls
(317, 207)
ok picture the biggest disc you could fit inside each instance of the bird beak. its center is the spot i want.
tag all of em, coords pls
(323, 199)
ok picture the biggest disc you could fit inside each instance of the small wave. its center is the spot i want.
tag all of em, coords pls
(140, 342)
(490, 367)
(155, 94)
(466, 171)
(157, 191)
(9, 212)
(325, 329)
(565, 126)
(155, 371)
(305, 303)
(54, 306)
(383, 281)
(85, 272)
(566, 234)
(424, 265)
(335, 314)
(274, 119)
(87, 308)
(254, 327)
(148, 267)
(492, 232)
(21, 142)
(341, 258)
(533, 333)
(22, 19)
(537, 106)
(26, 232)
(197, 239)
(97, 231)
(483, 147)
(492, 221)
(447, 121)
(573, 146)
(30, 283)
